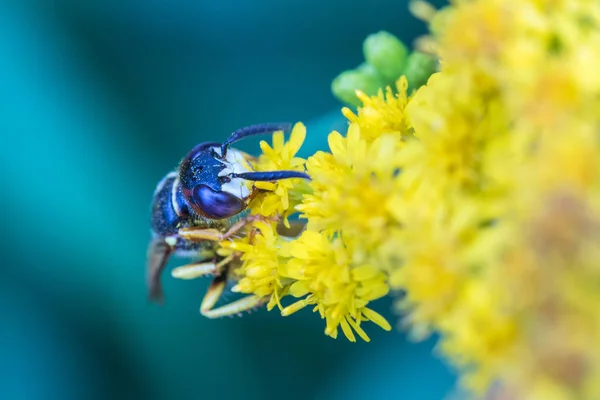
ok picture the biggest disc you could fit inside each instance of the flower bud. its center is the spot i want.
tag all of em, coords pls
(386, 53)
(363, 78)
(419, 67)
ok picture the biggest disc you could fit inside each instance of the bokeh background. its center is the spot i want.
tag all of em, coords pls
(98, 100)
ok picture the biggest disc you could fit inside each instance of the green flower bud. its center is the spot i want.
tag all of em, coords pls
(362, 78)
(419, 68)
(386, 53)
(372, 72)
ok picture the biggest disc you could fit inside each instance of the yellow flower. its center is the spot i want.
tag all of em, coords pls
(262, 258)
(350, 186)
(340, 290)
(280, 197)
(333, 273)
(381, 114)
(451, 123)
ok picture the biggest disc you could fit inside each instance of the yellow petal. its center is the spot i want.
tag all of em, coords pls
(350, 116)
(265, 185)
(285, 200)
(258, 271)
(358, 330)
(362, 96)
(364, 273)
(297, 137)
(278, 140)
(377, 319)
(293, 308)
(373, 291)
(336, 143)
(347, 330)
(299, 289)
(267, 150)
(331, 330)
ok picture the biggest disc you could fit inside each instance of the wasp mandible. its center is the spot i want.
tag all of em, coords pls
(201, 203)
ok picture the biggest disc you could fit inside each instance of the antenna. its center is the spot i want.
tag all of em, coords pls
(270, 175)
(251, 131)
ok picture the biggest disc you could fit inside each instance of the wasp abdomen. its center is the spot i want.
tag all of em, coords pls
(168, 207)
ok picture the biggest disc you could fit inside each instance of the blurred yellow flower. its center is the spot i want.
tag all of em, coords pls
(500, 198)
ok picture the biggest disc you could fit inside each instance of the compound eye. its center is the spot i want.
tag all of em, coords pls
(216, 205)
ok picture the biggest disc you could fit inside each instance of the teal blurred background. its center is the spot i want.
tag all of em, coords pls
(98, 101)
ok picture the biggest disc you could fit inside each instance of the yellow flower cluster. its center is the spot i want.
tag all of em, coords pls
(349, 208)
(478, 198)
(500, 205)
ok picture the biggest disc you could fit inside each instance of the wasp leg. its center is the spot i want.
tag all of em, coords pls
(198, 270)
(214, 234)
(200, 234)
(213, 293)
(193, 271)
(239, 225)
(159, 252)
(237, 307)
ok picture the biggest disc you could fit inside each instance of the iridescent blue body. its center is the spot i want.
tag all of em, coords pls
(171, 212)
(208, 190)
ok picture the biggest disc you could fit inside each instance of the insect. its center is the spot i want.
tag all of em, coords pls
(203, 202)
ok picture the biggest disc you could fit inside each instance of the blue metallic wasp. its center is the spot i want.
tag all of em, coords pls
(201, 203)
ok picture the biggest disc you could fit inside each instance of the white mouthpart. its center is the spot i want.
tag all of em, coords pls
(235, 162)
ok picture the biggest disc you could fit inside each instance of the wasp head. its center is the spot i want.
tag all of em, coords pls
(213, 177)
(209, 184)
